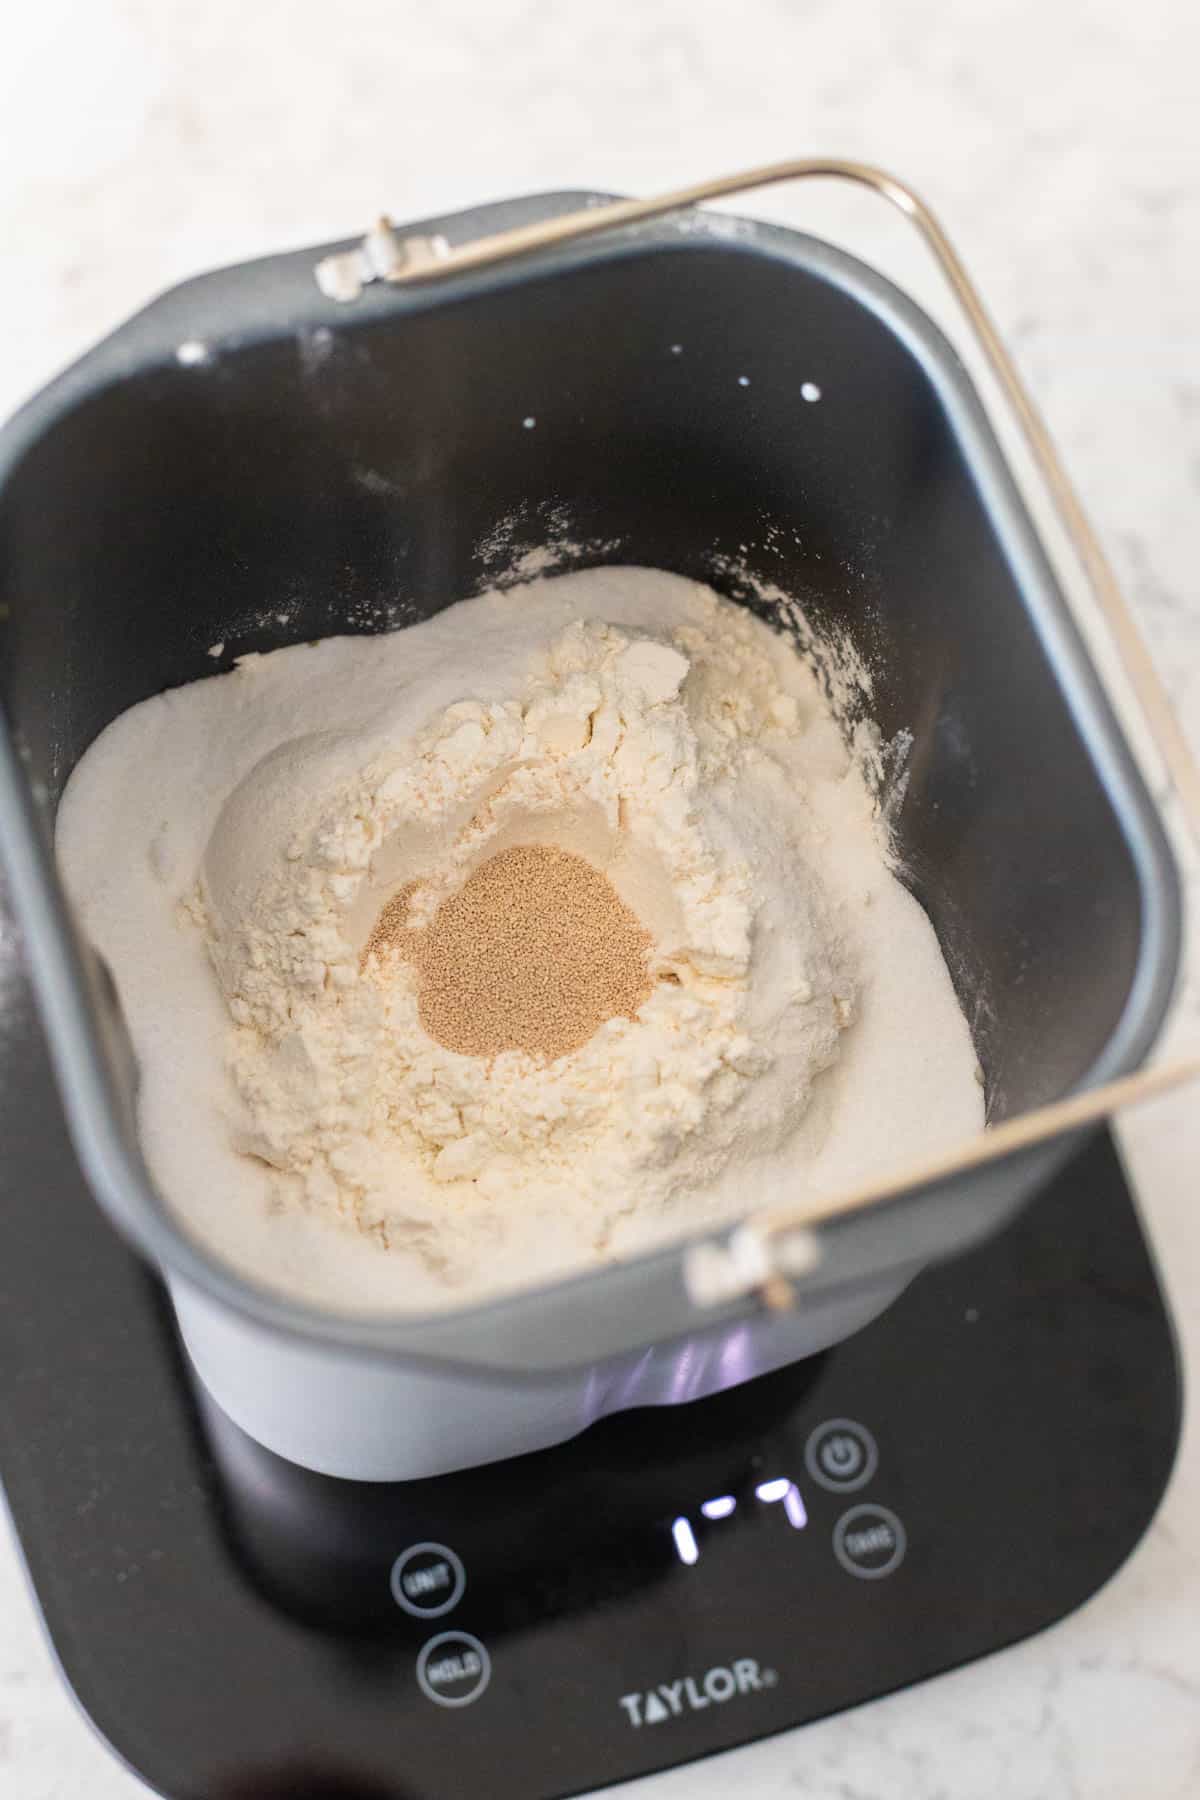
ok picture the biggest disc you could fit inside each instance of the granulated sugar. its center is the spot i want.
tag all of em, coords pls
(533, 953)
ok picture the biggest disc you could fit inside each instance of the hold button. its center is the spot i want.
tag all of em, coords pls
(453, 1669)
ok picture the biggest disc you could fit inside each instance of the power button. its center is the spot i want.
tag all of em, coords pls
(841, 1455)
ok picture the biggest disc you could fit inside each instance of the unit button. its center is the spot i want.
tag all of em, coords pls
(869, 1541)
(427, 1580)
(453, 1669)
(841, 1455)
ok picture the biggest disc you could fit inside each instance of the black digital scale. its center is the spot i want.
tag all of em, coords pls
(676, 1581)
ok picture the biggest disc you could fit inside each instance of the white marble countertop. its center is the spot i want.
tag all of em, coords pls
(1059, 142)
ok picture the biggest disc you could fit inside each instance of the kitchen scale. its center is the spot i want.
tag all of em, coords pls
(960, 1474)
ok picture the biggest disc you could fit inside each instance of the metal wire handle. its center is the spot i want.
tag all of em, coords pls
(768, 1247)
(384, 256)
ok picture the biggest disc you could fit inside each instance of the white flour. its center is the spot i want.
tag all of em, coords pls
(802, 1030)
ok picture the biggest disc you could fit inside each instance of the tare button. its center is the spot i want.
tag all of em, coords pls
(841, 1455)
(427, 1580)
(869, 1541)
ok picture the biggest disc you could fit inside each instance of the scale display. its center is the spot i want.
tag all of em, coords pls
(654, 1501)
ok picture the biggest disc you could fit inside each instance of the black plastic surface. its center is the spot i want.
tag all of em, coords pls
(1025, 1401)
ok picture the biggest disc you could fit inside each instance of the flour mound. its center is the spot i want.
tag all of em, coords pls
(652, 757)
(779, 1022)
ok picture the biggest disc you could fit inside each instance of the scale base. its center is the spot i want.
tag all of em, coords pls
(228, 1621)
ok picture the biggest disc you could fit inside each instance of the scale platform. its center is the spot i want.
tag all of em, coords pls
(676, 1581)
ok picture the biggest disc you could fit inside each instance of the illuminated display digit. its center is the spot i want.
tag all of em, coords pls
(780, 1491)
(786, 1491)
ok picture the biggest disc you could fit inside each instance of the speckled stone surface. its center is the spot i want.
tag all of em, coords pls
(1059, 142)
